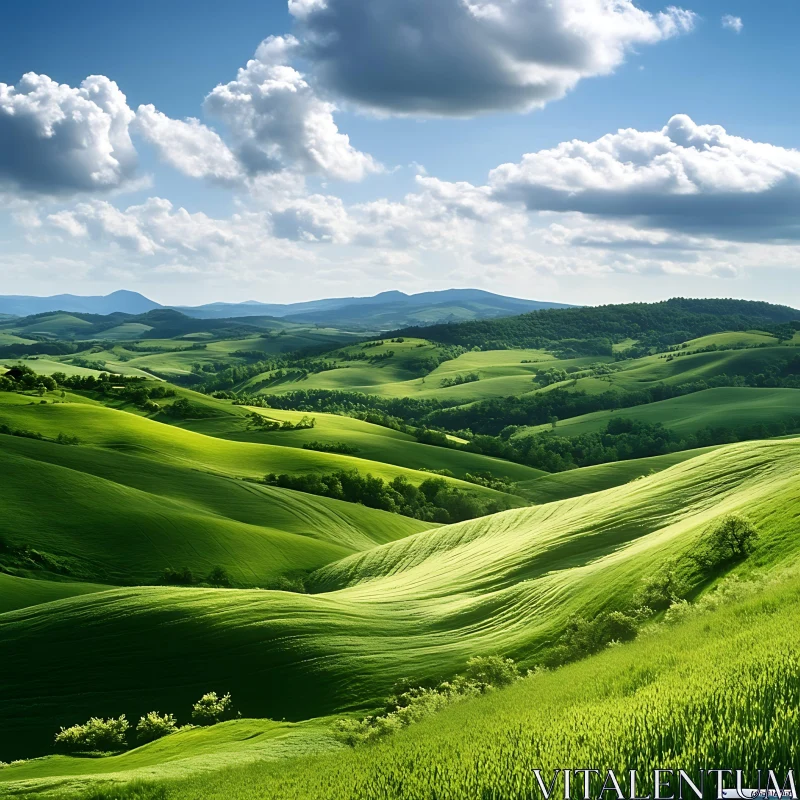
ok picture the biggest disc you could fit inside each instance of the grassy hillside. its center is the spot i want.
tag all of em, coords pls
(687, 695)
(418, 607)
(575, 482)
(184, 754)
(16, 592)
(123, 518)
(123, 432)
(724, 407)
(371, 442)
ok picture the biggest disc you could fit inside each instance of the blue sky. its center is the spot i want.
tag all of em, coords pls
(258, 193)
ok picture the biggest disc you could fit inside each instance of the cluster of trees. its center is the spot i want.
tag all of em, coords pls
(434, 500)
(407, 409)
(266, 424)
(342, 448)
(653, 325)
(409, 704)
(183, 576)
(99, 735)
(458, 380)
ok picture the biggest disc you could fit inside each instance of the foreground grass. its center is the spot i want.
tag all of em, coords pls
(418, 607)
(699, 693)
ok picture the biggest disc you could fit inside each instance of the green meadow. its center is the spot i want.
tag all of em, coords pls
(265, 509)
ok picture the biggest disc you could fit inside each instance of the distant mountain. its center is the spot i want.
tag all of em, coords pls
(382, 311)
(121, 301)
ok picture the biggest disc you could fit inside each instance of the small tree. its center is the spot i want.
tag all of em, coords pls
(211, 709)
(153, 726)
(97, 734)
(731, 539)
(218, 577)
(491, 671)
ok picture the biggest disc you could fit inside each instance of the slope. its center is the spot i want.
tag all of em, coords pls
(121, 518)
(418, 607)
(729, 407)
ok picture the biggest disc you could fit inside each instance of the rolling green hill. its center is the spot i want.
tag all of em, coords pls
(724, 407)
(124, 519)
(417, 607)
(371, 442)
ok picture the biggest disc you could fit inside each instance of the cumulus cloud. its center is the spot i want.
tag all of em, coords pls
(189, 146)
(461, 57)
(57, 139)
(686, 177)
(154, 227)
(731, 23)
(277, 121)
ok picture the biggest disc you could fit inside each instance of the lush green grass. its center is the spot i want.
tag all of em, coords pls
(118, 430)
(16, 592)
(575, 482)
(47, 366)
(373, 442)
(124, 518)
(725, 407)
(188, 752)
(692, 695)
(417, 607)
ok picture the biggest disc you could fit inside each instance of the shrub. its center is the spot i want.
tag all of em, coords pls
(491, 671)
(177, 577)
(95, 735)
(411, 704)
(211, 709)
(731, 539)
(153, 726)
(662, 589)
(218, 577)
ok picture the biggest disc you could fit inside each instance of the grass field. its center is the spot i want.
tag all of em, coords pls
(124, 518)
(417, 607)
(329, 604)
(575, 482)
(724, 407)
(373, 442)
(17, 592)
(696, 693)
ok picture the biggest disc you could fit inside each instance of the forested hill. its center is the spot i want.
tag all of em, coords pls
(664, 323)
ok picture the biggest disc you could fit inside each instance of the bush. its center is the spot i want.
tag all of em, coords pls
(95, 735)
(218, 577)
(153, 726)
(177, 577)
(491, 671)
(662, 589)
(411, 704)
(730, 540)
(211, 709)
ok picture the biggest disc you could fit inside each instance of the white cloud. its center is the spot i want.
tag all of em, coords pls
(732, 23)
(56, 139)
(686, 177)
(188, 146)
(277, 121)
(461, 57)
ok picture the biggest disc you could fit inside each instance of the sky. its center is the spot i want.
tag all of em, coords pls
(581, 151)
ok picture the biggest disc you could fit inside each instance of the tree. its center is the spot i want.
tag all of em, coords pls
(218, 577)
(153, 726)
(491, 671)
(731, 539)
(96, 735)
(211, 709)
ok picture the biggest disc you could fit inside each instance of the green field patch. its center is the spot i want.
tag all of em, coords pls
(417, 607)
